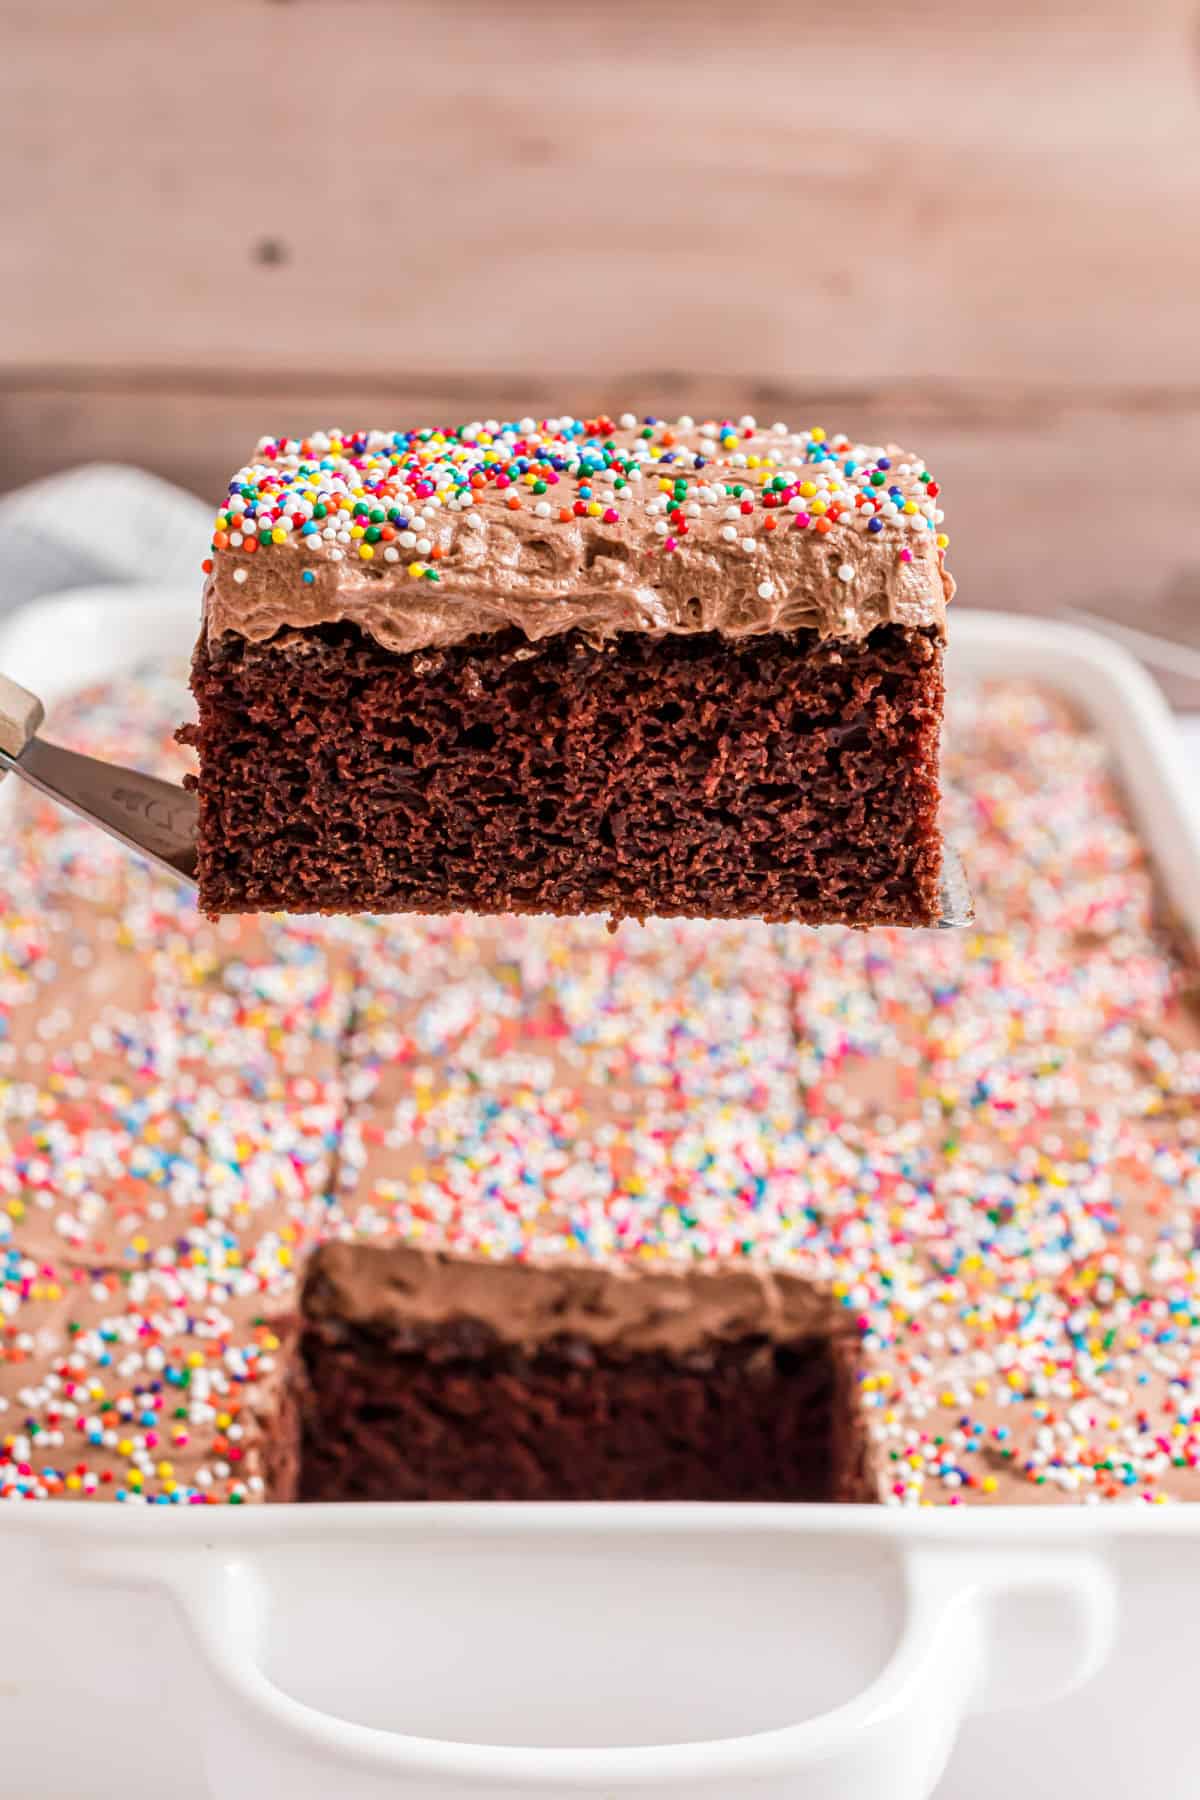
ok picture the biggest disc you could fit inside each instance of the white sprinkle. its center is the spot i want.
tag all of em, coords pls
(391, 554)
(236, 540)
(729, 533)
(408, 539)
(685, 422)
(239, 575)
(661, 527)
(796, 504)
(747, 422)
(845, 572)
(336, 555)
(627, 421)
(749, 545)
(542, 509)
(766, 590)
(779, 428)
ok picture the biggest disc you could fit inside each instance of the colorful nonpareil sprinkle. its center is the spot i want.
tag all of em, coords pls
(377, 497)
(985, 1144)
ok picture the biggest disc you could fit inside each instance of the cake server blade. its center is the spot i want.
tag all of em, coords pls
(156, 818)
(958, 908)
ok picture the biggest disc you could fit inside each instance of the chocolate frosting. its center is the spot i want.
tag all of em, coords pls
(690, 529)
(673, 1310)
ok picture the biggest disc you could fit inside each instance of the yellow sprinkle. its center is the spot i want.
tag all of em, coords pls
(166, 1470)
(818, 507)
(808, 489)
(910, 506)
(594, 509)
(125, 1447)
(989, 1484)
(416, 569)
(817, 435)
(279, 535)
(74, 1482)
(358, 531)
(942, 541)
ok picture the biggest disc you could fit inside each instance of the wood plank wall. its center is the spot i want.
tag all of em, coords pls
(971, 227)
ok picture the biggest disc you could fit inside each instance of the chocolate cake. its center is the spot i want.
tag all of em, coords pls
(637, 668)
(462, 1207)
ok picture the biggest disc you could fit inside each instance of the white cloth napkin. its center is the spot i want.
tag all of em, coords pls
(98, 525)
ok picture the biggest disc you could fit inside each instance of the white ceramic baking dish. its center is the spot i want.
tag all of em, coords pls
(452, 1652)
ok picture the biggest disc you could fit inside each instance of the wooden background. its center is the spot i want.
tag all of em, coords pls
(974, 227)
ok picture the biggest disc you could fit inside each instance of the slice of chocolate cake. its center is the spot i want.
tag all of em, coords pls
(574, 667)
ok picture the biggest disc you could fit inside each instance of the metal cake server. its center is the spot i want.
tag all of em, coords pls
(158, 819)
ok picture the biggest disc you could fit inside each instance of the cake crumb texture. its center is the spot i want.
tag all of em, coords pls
(781, 778)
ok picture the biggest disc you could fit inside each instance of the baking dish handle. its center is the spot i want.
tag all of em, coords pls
(982, 1630)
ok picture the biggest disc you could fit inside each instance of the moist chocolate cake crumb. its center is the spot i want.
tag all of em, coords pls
(787, 776)
(446, 1416)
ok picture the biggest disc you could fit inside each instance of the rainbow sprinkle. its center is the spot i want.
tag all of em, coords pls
(415, 499)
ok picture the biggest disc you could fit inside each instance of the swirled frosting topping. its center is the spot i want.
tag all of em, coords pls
(426, 538)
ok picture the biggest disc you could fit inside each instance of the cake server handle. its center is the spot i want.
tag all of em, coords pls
(154, 817)
(983, 1629)
(21, 714)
